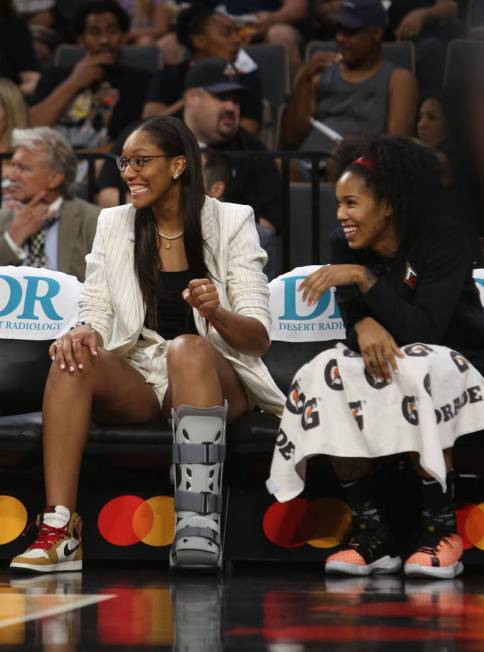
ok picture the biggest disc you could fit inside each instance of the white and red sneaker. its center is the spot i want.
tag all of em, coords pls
(57, 546)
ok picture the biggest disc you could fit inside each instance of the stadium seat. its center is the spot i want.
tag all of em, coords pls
(147, 57)
(476, 33)
(274, 71)
(301, 222)
(475, 13)
(402, 54)
(460, 54)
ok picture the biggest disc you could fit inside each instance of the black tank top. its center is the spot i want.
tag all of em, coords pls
(174, 315)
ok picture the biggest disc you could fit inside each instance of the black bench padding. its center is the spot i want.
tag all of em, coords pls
(24, 367)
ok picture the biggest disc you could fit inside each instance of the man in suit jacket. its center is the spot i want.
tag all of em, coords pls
(46, 225)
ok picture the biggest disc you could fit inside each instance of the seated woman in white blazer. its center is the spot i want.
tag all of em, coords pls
(174, 317)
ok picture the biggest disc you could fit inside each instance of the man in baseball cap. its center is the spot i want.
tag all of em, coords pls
(212, 112)
(214, 76)
(212, 100)
(353, 90)
(356, 14)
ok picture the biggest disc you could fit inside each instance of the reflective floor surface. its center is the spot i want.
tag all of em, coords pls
(274, 609)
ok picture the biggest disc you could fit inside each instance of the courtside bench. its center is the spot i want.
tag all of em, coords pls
(125, 490)
(125, 493)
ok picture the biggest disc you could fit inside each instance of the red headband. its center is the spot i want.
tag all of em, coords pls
(366, 162)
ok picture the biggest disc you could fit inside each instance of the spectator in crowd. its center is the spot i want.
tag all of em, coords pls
(276, 21)
(92, 102)
(13, 115)
(49, 227)
(430, 24)
(432, 126)
(177, 333)
(212, 112)
(216, 174)
(18, 60)
(352, 91)
(149, 20)
(206, 33)
(433, 131)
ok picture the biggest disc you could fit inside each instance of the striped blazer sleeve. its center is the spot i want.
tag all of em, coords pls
(247, 288)
(95, 306)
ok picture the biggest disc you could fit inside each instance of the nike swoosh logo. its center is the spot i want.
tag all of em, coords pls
(68, 552)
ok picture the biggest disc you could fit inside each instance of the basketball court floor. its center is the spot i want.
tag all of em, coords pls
(253, 608)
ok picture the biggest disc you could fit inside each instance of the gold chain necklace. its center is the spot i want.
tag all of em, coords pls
(168, 238)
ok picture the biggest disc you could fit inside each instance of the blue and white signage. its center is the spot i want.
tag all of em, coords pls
(479, 279)
(293, 320)
(36, 304)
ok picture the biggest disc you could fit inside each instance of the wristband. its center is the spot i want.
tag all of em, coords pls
(80, 323)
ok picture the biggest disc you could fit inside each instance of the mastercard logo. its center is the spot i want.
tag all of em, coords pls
(323, 523)
(320, 523)
(470, 525)
(13, 519)
(128, 520)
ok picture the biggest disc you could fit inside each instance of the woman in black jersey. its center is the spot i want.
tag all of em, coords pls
(173, 320)
(414, 324)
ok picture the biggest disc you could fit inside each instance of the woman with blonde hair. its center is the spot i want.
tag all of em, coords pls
(13, 115)
(13, 112)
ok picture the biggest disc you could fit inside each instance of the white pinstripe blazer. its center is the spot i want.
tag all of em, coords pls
(111, 298)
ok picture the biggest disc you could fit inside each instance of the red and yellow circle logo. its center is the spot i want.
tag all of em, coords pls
(321, 523)
(127, 520)
(13, 519)
(470, 525)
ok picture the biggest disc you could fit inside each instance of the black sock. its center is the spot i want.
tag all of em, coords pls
(438, 506)
(361, 497)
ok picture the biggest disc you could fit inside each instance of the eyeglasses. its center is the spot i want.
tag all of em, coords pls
(136, 162)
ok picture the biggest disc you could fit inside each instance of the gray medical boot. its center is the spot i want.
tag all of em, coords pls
(198, 455)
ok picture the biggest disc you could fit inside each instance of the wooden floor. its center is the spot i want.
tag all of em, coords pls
(276, 609)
